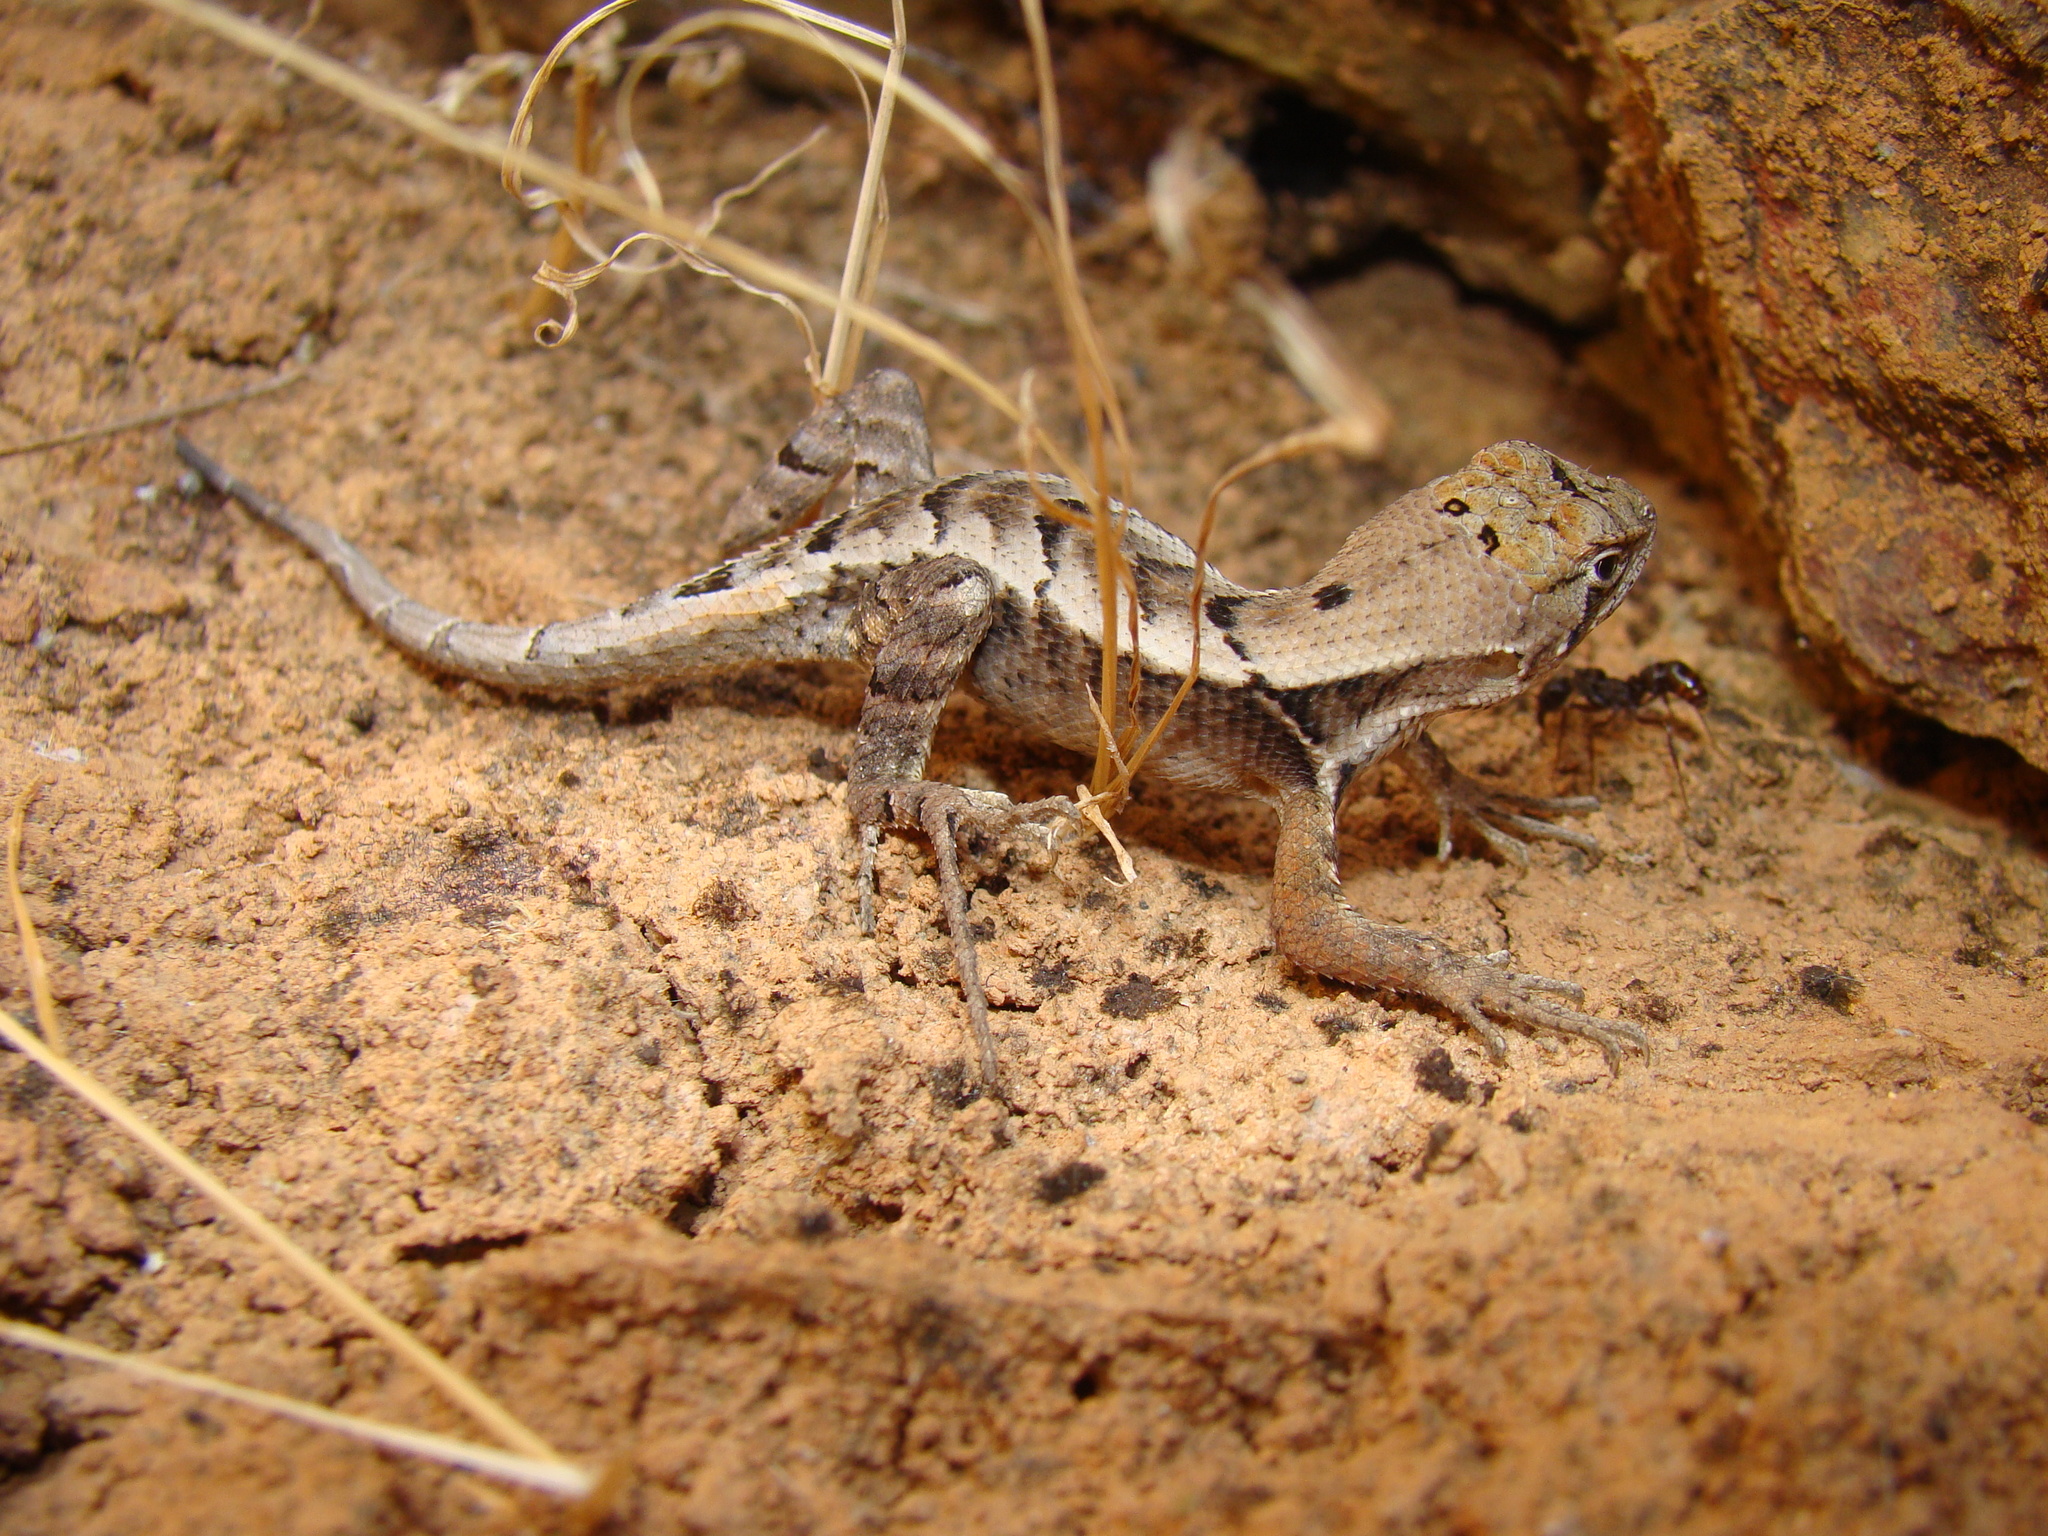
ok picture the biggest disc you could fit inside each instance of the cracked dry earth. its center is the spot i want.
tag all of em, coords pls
(550, 1027)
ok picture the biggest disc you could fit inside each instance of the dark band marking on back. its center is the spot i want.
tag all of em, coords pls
(939, 503)
(717, 579)
(789, 458)
(1052, 536)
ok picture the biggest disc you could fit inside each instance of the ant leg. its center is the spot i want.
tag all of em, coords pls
(1677, 773)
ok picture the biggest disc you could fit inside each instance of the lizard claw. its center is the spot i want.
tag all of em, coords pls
(1500, 958)
(1566, 989)
(1518, 997)
(973, 813)
(1493, 811)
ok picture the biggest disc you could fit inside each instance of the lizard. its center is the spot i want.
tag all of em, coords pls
(1461, 594)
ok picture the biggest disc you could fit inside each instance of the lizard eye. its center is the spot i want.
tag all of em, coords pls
(1606, 570)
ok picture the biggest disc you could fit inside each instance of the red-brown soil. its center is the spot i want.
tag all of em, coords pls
(550, 1026)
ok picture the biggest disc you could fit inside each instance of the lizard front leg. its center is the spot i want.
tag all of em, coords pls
(1319, 930)
(876, 429)
(921, 623)
(1492, 811)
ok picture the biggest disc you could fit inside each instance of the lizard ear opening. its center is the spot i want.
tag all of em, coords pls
(1499, 666)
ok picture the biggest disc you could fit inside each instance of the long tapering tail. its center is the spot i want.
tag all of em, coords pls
(730, 615)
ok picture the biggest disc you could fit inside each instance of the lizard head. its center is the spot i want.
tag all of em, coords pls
(1576, 539)
(1457, 596)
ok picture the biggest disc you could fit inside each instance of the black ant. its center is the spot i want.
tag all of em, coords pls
(1594, 691)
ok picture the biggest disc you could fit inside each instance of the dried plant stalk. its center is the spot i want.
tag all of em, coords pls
(32, 959)
(556, 1477)
(465, 1393)
(1101, 415)
(870, 221)
(154, 418)
(726, 252)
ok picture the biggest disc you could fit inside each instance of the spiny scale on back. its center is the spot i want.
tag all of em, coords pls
(1458, 595)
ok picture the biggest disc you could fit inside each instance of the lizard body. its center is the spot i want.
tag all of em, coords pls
(1458, 595)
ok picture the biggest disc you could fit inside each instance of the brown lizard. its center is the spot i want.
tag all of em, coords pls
(1458, 595)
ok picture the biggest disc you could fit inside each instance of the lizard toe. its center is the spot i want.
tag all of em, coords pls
(1615, 1037)
(1529, 1002)
(1490, 1034)
(1535, 983)
(1497, 814)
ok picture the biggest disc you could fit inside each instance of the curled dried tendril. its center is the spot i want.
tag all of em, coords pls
(564, 284)
(699, 67)
(454, 90)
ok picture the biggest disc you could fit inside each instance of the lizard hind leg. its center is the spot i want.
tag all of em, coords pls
(876, 429)
(921, 624)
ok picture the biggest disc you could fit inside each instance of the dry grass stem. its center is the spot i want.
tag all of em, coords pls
(401, 1341)
(549, 1476)
(552, 333)
(1359, 417)
(870, 220)
(1028, 438)
(728, 253)
(1101, 415)
(562, 248)
(452, 92)
(536, 1463)
(603, 29)
(32, 959)
(157, 417)
(1090, 804)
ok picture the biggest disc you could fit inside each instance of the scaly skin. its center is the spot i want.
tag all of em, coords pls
(1461, 594)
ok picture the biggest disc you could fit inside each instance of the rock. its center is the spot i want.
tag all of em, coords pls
(1836, 239)
(99, 1219)
(1831, 230)
(109, 592)
(22, 1422)
(1494, 117)
(20, 616)
(82, 1406)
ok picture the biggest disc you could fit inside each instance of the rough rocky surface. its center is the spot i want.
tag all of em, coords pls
(550, 1026)
(1830, 226)
(1835, 241)
(1486, 110)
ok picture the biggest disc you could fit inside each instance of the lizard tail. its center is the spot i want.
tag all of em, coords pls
(713, 621)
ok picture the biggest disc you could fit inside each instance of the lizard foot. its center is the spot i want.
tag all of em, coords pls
(1325, 935)
(1496, 813)
(1480, 994)
(948, 814)
(1319, 930)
